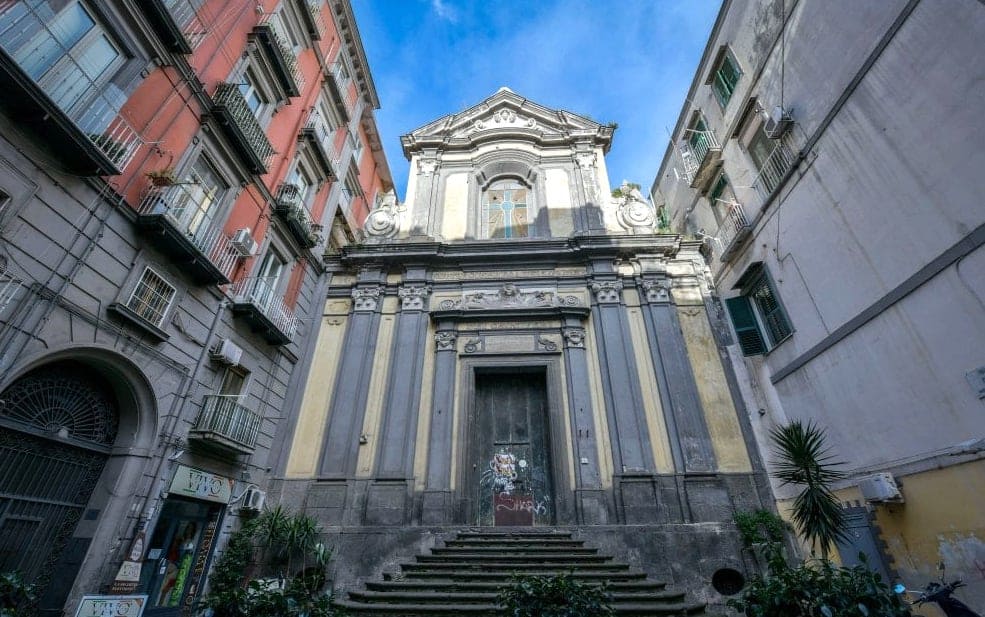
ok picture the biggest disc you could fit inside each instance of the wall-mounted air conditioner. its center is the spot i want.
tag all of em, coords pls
(777, 123)
(226, 352)
(253, 500)
(243, 243)
(880, 487)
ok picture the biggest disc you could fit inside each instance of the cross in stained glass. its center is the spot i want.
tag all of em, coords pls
(506, 212)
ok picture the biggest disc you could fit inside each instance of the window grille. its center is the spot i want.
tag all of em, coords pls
(152, 297)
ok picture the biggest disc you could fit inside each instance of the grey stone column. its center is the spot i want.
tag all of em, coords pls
(399, 429)
(690, 441)
(589, 498)
(628, 430)
(341, 445)
(438, 505)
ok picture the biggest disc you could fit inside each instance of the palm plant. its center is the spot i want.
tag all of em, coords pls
(804, 459)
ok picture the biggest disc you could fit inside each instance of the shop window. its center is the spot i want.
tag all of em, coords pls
(756, 311)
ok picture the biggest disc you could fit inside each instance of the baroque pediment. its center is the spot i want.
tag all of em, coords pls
(506, 114)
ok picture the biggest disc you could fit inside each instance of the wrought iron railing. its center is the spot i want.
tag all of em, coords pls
(262, 293)
(734, 227)
(186, 18)
(222, 415)
(190, 211)
(25, 28)
(9, 286)
(693, 150)
(774, 168)
(271, 22)
(229, 96)
(312, 11)
(290, 205)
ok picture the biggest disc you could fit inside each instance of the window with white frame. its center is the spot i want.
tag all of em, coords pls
(151, 297)
(760, 321)
(253, 93)
(200, 198)
(303, 181)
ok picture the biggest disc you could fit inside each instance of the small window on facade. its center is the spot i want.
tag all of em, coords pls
(255, 99)
(504, 210)
(151, 298)
(719, 190)
(726, 76)
(758, 310)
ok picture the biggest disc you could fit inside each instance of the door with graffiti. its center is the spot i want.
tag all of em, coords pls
(511, 458)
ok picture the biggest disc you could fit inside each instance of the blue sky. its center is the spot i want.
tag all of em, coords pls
(623, 61)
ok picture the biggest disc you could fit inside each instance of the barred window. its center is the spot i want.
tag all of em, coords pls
(151, 297)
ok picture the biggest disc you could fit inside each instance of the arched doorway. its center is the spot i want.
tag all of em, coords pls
(58, 424)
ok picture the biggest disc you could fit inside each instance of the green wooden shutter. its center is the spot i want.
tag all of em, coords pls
(746, 329)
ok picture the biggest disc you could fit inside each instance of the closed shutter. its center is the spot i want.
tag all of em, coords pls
(746, 329)
(769, 308)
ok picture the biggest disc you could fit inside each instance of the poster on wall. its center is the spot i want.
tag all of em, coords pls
(111, 606)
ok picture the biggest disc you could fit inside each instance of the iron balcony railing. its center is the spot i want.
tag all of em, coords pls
(276, 43)
(312, 12)
(9, 286)
(189, 210)
(94, 107)
(243, 125)
(224, 420)
(290, 206)
(774, 168)
(694, 150)
(261, 294)
(734, 229)
(316, 132)
(179, 21)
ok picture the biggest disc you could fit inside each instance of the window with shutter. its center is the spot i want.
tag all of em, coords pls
(746, 329)
(770, 310)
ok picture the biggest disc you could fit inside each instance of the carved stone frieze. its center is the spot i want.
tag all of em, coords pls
(366, 298)
(445, 339)
(546, 343)
(427, 167)
(574, 337)
(412, 297)
(656, 291)
(473, 345)
(509, 296)
(607, 292)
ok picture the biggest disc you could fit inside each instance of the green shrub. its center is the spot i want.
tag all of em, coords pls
(16, 596)
(554, 596)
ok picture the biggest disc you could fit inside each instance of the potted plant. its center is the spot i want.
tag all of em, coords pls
(162, 177)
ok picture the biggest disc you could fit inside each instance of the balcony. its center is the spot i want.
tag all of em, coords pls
(700, 154)
(242, 128)
(337, 81)
(178, 220)
(74, 116)
(176, 22)
(734, 230)
(318, 137)
(773, 170)
(311, 12)
(226, 425)
(279, 52)
(256, 301)
(290, 207)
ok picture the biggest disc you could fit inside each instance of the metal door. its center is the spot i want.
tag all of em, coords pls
(511, 460)
(861, 539)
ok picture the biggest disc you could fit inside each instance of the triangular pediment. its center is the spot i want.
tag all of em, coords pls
(506, 114)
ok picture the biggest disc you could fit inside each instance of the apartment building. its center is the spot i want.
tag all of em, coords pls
(172, 173)
(828, 157)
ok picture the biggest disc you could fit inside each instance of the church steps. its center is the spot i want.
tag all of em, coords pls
(466, 575)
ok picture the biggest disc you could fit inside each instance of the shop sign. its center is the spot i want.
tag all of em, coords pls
(198, 484)
(111, 606)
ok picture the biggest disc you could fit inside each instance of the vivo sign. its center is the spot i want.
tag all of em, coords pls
(198, 484)
(111, 606)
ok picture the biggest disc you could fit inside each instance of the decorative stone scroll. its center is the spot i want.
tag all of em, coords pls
(509, 296)
(382, 221)
(445, 339)
(657, 291)
(412, 297)
(607, 292)
(633, 212)
(366, 298)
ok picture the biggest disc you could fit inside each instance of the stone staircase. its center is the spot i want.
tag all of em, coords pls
(464, 577)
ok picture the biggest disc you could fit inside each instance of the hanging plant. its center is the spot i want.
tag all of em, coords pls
(162, 177)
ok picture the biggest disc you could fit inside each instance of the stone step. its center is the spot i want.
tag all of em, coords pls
(511, 565)
(505, 577)
(493, 558)
(368, 609)
(511, 549)
(489, 597)
(455, 586)
(517, 532)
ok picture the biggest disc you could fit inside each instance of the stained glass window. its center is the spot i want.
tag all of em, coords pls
(504, 210)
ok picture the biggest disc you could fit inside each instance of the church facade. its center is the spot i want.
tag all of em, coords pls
(514, 346)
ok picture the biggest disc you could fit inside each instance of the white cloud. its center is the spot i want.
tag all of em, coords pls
(442, 10)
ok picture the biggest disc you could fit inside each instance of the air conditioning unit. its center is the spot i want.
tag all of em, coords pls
(880, 487)
(226, 352)
(253, 500)
(243, 243)
(777, 123)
